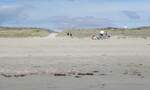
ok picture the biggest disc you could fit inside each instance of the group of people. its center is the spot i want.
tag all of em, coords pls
(101, 35)
(69, 34)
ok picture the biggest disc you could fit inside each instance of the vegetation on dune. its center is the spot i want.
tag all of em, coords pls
(23, 32)
(143, 32)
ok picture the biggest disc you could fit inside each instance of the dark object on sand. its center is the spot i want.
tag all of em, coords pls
(20, 75)
(141, 64)
(59, 74)
(77, 76)
(6, 75)
(139, 74)
(85, 74)
(103, 74)
(95, 71)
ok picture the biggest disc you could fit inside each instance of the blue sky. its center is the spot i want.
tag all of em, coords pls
(54, 14)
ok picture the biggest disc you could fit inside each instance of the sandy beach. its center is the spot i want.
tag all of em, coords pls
(74, 64)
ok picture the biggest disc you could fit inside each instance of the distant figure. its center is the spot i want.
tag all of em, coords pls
(69, 34)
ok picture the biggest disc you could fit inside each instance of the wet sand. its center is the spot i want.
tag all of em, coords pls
(74, 64)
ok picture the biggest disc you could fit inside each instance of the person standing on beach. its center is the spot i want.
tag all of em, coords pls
(69, 34)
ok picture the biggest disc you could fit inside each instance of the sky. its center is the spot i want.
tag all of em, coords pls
(58, 14)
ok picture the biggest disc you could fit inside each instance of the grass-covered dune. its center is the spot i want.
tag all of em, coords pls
(23, 32)
(142, 32)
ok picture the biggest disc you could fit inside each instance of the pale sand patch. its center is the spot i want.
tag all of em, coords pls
(51, 36)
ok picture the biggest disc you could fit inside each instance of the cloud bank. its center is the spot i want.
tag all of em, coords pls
(74, 13)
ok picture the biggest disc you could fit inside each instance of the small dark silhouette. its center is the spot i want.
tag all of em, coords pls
(69, 34)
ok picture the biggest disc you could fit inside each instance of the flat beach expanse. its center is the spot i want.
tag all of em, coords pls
(74, 64)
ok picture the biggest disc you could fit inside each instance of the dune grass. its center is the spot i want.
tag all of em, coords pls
(81, 33)
(23, 32)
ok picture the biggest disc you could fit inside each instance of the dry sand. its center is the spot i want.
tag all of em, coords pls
(74, 64)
